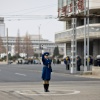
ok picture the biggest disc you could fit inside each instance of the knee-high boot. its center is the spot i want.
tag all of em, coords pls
(45, 87)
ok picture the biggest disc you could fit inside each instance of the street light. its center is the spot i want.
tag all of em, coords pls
(85, 47)
(39, 39)
(88, 67)
(73, 40)
(7, 47)
(86, 37)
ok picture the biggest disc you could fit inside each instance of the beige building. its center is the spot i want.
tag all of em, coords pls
(65, 10)
(36, 40)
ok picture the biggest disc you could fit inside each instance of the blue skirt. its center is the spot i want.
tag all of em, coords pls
(46, 73)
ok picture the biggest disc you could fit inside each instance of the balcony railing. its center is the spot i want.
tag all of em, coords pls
(65, 36)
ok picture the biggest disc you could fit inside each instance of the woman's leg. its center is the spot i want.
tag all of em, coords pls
(47, 86)
(44, 84)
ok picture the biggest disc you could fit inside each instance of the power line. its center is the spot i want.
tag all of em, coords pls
(28, 17)
(38, 8)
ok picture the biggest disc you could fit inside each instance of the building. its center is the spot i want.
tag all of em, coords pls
(36, 40)
(2, 27)
(65, 11)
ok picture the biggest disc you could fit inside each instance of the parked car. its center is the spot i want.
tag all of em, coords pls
(20, 61)
(97, 61)
(36, 62)
(25, 62)
(10, 62)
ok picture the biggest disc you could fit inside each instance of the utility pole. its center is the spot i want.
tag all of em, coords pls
(88, 67)
(85, 46)
(7, 59)
(73, 40)
(27, 44)
(39, 39)
(18, 44)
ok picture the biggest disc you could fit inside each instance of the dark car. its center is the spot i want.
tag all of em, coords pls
(10, 62)
(97, 61)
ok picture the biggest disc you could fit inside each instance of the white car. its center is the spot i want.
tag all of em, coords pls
(98, 56)
(20, 61)
(37, 62)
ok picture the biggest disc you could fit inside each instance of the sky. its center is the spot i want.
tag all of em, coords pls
(48, 27)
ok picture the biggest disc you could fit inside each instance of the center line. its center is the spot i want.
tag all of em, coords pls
(20, 74)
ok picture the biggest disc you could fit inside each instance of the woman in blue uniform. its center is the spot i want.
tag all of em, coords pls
(46, 71)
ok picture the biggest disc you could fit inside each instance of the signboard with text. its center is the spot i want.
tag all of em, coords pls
(67, 9)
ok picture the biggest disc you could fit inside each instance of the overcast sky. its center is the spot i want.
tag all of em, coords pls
(31, 7)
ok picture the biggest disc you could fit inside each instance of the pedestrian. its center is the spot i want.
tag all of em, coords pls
(46, 71)
(67, 62)
(54, 61)
(90, 60)
(78, 63)
(31, 61)
(57, 61)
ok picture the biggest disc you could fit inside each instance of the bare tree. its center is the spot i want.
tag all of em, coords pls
(27, 45)
(2, 48)
(17, 45)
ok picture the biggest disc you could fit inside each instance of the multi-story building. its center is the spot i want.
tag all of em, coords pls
(2, 27)
(36, 40)
(65, 11)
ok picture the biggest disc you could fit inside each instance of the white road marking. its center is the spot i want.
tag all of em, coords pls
(20, 74)
(53, 92)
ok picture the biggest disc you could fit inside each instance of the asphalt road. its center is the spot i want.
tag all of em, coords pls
(23, 82)
(71, 90)
(32, 73)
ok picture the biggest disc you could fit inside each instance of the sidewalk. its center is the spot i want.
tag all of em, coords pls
(89, 74)
(95, 73)
(3, 63)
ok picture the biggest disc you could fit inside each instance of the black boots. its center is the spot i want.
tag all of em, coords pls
(46, 86)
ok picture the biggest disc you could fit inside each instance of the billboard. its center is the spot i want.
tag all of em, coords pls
(65, 7)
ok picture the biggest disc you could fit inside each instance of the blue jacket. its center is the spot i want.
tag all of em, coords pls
(46, 71)
(66, 62)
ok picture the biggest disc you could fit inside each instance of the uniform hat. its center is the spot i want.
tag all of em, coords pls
(46, 53)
